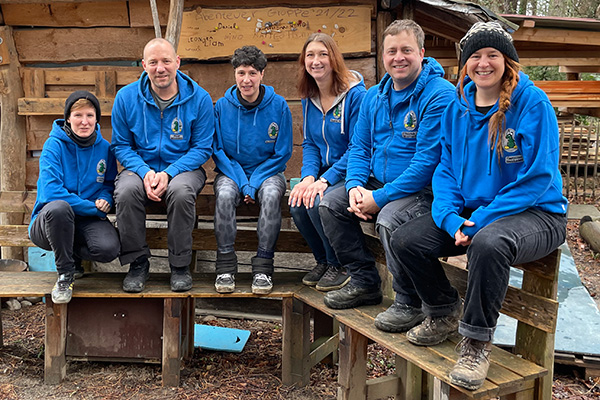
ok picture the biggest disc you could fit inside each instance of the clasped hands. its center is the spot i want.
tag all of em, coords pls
(156, 184)
(362, 203)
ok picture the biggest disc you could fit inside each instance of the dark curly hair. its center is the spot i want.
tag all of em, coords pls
(249, 55)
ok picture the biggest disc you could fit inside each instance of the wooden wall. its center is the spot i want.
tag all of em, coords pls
(65, 46)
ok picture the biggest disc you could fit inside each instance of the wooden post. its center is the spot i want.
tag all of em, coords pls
(352, 375)
(384, 18)
(532, 343)
(411, 379)
(326, 326)
(55, 362)
(1, 333)
(12, 131)
(174, 23)
(171, 353)
(295, 363)
(155, 20)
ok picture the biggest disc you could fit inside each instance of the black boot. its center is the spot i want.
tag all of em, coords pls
(181, 279)
(136, 278)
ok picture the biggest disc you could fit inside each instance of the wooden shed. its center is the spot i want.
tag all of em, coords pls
(49, 49)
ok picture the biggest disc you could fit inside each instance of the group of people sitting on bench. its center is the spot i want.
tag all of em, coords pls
(440, 170)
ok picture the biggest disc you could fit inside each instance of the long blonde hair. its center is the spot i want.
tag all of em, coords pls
(497, 123)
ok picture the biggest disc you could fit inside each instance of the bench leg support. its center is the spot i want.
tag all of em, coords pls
(171, 352)
(411, 379)
(1, 333)
(295, 367)
(441, 390)
(55, 362)
(352, 375)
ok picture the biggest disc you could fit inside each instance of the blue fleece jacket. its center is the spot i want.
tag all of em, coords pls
(327, 133)
(398, 143)
(176, 140)
(252, 145)
(470, 174)
(75, 174)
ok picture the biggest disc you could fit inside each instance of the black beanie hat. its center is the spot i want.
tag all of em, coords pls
(487, 34)
(82, 94)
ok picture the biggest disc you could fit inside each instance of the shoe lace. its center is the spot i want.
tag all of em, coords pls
(224, 277)
(332, 271)
(64, 282)
(471, 352)
(262, 278)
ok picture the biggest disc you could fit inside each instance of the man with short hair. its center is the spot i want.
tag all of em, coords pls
(394, 151)
(163, 127)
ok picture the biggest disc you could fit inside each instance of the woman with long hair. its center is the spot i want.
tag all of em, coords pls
(331, 97)
(497, 198)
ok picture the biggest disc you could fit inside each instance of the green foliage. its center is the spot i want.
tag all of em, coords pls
(544, 73)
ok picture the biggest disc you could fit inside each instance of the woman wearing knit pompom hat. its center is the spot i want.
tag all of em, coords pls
(497, 198)
(74, 193)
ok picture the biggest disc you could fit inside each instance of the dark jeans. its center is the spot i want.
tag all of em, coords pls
(180, 197)
(70, 236)
(308, 222)
(343, 230)
(511, 240)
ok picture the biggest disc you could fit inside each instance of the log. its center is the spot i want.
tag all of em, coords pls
(589, 230)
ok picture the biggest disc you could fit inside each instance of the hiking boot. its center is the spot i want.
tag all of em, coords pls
(336, 277)
(63, 289)
(473, 363)
(434, 330)
(312, 278)
(136, 278)
(399, 317)
(351, 296)
(225, 283)
(181, 279)
(261, 284)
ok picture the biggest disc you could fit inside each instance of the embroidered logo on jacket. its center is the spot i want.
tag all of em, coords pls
(508, 141)
(101, 170)
(273, 130)
(410, 121)
(337, 111)
(176, 128)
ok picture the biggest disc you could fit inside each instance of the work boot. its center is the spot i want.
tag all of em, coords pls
(434, 330)
(63, 288)
(135, 280)
(181, 279)
(473, 363)
(399, 317)
(351, 296)
(336, 277)
(225, 283)
(312, 277)
(262, 284)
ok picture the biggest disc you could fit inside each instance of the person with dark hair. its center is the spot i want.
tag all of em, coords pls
(331, 96)
(252, 144)
(163, 127)
(394, 150)
(497, 198)
(74, 193)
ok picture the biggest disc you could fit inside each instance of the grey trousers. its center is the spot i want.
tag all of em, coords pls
(180, 198)
(71, 236)
(228, 197)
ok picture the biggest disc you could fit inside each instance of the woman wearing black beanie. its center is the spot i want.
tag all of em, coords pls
(74, 193)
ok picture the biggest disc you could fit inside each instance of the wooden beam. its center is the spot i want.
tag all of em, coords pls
(533, 60)
(384, 18)
(174, 24)
(113, 13)
(12, 132)
(592, 69)
(564, 36)
(55, 339)
(171, 349)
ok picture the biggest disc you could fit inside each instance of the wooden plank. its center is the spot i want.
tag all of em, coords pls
(576, 87)
(110, 13)
(208, 33)
(105, 84)
(171, 353)
(322, 349)
(55, 363)
(563, 36)
(39, 126)
(411, 379)
(174, 24)
(91, 44)
(295, 361)
(141, 16)
(383, 387)
(384, 18)
(540, 311)
(34, 82)
(325, 326)
(352, 372)
(55, 106)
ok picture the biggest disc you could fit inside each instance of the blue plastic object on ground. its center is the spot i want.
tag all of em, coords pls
(221, 339)
(40, 259)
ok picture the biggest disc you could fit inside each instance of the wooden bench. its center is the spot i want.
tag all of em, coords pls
(421, 372)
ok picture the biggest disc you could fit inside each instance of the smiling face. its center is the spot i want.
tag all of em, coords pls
(402, 58)
(486, 67)
(317, 61)
(161, 63)
(248, 79)
(83, 121)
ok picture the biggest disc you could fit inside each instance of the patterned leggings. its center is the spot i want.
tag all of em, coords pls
(228, 197)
